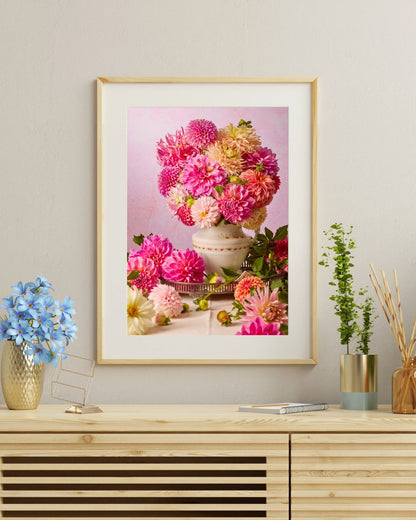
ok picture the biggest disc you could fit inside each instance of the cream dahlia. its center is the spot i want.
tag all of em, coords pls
(184, 266)
(229, 158)
(205, 212)
(201, 133)
(258, 216)
(166, 300)
(242, 138)
(244, 286)
(200, 174)
(266, 305)
(140, 311)
(260, 185)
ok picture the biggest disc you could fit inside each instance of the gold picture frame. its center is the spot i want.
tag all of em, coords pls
(111, 94)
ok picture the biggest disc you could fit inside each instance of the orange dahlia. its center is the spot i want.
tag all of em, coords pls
(261, 186)
(242, 291)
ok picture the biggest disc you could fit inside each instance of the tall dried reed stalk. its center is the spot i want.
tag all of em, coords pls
(393, 311)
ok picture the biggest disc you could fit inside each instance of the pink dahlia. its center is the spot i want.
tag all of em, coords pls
(260, 185)
(200, 175)
(244, 286)
(184, 266)
(235, 203)
(281, 249)
(147, 274)
(266, 305)
(167, 179)
(262, 159)
(176, 198)
(205, 212)
(133, 253)
(259, 327)
(166, 300)
(201, 133)
(185, 216)
(157, 248)
(175, 150)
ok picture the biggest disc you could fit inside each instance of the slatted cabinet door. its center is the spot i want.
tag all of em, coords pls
(355, 476)
(158, 476)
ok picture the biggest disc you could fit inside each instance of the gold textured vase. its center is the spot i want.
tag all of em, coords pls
(21, 379)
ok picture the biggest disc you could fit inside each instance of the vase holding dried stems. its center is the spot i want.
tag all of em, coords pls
(404, 380)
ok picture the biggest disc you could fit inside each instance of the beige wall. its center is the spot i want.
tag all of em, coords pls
(364, 54)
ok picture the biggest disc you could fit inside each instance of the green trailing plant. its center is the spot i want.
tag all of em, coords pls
(338, 252)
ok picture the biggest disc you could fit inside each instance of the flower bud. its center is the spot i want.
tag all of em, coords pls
(223, 317)
(203, 305)
(161, 319)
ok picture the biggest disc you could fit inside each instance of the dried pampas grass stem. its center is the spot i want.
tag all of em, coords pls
(394, 313)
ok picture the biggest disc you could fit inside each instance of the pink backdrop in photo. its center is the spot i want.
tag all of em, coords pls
(147, 211)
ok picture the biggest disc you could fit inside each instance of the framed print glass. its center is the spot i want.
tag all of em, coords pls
(206, 220)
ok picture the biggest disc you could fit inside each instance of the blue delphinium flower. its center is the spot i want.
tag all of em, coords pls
(8, 304)
(49, 304)
(20, 331)
(44, 321)
(66, 308)
(56, 352)
(68, 328)
(4, 326)
(42, 285)
(30, 303)
(44, 326)
(21, 289)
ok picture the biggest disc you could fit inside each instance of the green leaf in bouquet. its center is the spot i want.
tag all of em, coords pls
(269, 233)
(283, 296)
(230, 274)
(281, 233)
(138, 239)
(133, 275)
(276, 284)
(258, 264)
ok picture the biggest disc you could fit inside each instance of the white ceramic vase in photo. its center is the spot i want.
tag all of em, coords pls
(220, 246)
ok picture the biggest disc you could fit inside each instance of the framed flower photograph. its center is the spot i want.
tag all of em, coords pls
(206, 221)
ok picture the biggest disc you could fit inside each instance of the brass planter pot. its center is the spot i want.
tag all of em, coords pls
(21, 379)
(358, 381)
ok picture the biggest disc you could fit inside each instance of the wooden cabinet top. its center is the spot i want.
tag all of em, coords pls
(201, 418)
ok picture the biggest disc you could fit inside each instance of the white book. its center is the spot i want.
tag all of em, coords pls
(283, 408)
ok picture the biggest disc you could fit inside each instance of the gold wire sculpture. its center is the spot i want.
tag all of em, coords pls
(72, 382)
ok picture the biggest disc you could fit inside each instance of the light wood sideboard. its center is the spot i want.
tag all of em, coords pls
(206, 462)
